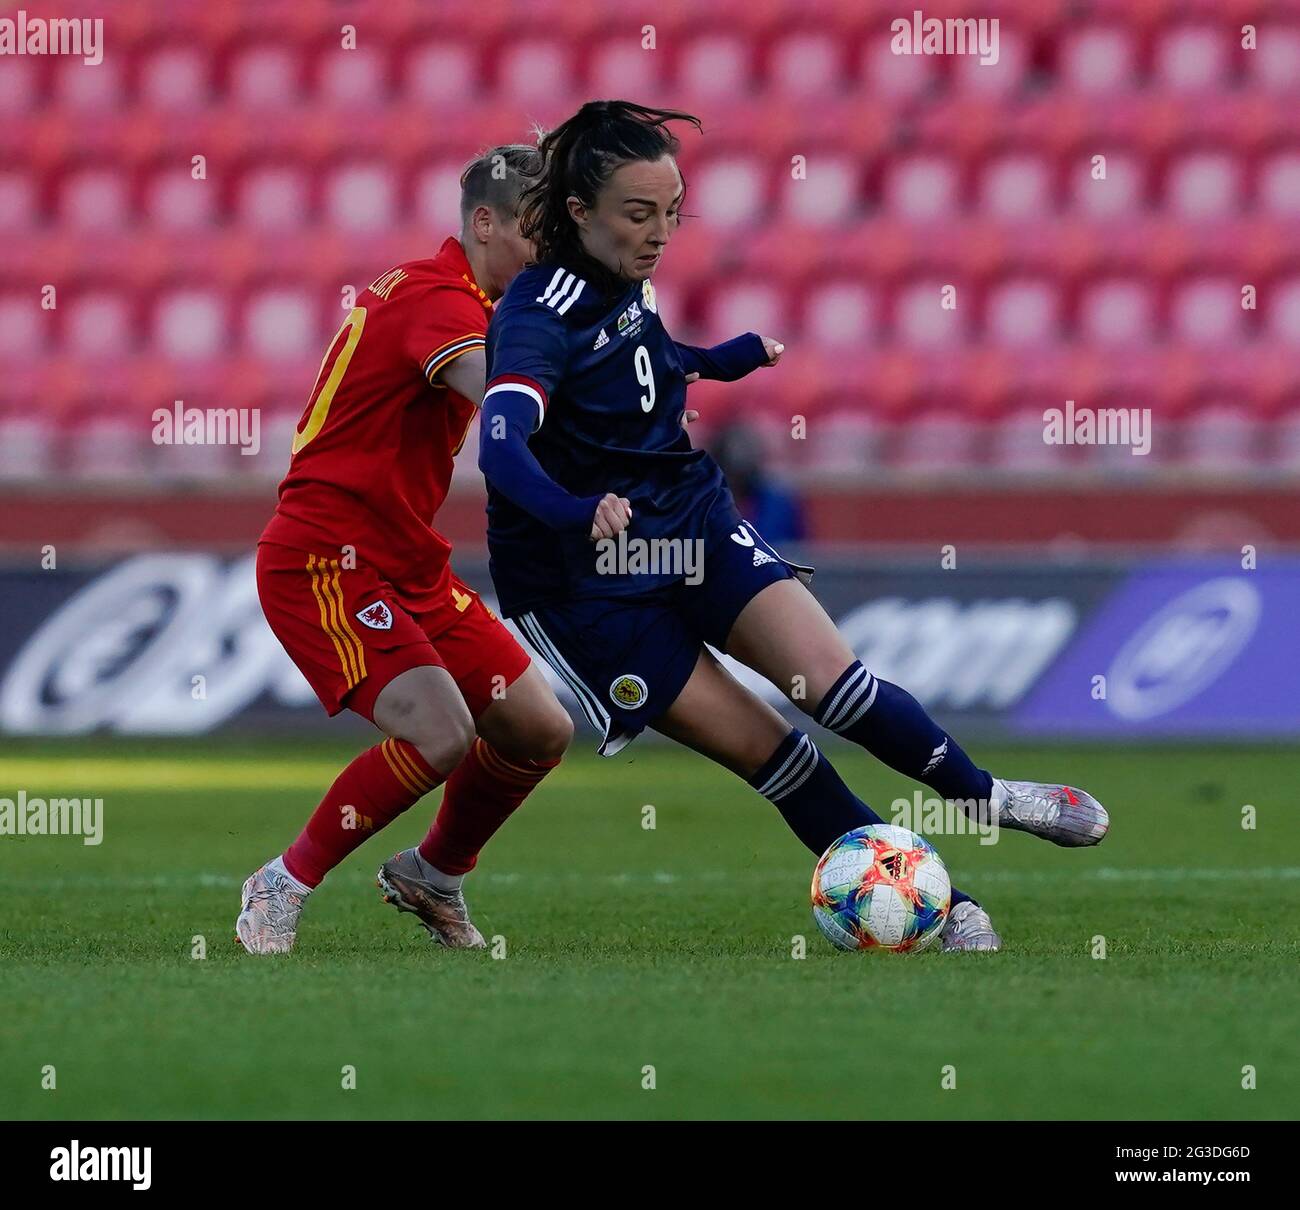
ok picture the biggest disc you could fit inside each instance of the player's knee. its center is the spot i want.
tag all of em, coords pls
(423, 707)
(554, 736)
(545, 737)
(444, 746)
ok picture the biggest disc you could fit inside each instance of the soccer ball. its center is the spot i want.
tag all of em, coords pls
(881, 887)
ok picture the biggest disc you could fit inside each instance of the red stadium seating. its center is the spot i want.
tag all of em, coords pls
(838, 189)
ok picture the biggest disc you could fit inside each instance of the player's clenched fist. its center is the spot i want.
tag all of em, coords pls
(613, 514)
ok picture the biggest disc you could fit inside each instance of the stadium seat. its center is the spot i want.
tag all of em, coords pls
(441, 72)
(23, 325)
(1284, 441)
(804, 66)
(1203, 185)
(98, 325)
(1122, 191)
(18, 211)
(274, 197)
(1279, 184)
(105, 444)
(745, 306)
(1219, 436)
(265, 76)
(84, 90)
(360, 197)
(840, 314)
(843, 442)
(357, 77)
(282, 323)
(175, 201)
(1023, 312)
(1207, 311)
(1117, 312)
(1017, 442)
(1017, 185)
(1098, 59)
(716, 65)
(535, 70)
(190, 324)
(732, 191)
(28, 446)
(829, 195)
(973, 76)
(620, 67)
(1272, 64)
(935, 439)
(896, 77)
(95, 199)
(921, 320)
(1282, 307)
(921, 188)
(1192, 58)
(176, 78)
(20, 86)
(435, 202)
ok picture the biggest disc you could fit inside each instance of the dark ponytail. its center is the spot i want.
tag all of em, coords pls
(579, 156)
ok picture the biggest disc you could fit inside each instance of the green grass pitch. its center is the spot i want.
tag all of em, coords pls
(629, 949)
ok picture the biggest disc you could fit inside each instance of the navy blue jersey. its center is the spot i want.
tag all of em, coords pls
(610, 388)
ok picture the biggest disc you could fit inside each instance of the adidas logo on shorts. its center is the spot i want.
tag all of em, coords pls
(761, 557)
(601, 340)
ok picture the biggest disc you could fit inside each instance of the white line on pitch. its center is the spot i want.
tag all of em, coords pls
(777, 878)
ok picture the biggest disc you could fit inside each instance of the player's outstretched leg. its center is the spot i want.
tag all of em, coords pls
(522, 737)
(784, 633)
(429, 730)
(717, 716)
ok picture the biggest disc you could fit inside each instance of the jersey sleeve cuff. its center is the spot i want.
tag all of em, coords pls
(446, 354)
(523, 386)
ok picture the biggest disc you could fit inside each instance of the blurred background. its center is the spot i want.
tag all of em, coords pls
(186, 221)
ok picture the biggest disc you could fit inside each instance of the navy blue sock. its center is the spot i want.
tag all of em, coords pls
(812, 798)
(892, 725)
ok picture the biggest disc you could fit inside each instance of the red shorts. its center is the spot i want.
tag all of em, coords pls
(348, 635)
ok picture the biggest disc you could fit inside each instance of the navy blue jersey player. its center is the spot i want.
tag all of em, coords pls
(608, 385)
(617, 548)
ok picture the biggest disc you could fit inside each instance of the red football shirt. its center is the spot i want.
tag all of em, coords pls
(372, 454)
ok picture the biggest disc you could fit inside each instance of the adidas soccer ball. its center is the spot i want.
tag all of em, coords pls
(881, 887)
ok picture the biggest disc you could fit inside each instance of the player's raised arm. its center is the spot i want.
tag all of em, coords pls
(730, 360)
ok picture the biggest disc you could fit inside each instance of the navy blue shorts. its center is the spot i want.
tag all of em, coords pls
(626, 658)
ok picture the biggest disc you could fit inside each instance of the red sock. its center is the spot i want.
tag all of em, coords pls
(370, 793)
(481, 795)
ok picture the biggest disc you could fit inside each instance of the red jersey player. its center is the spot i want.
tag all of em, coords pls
(356, 583)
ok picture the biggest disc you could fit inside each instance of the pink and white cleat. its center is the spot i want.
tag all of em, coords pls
(268, 919)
